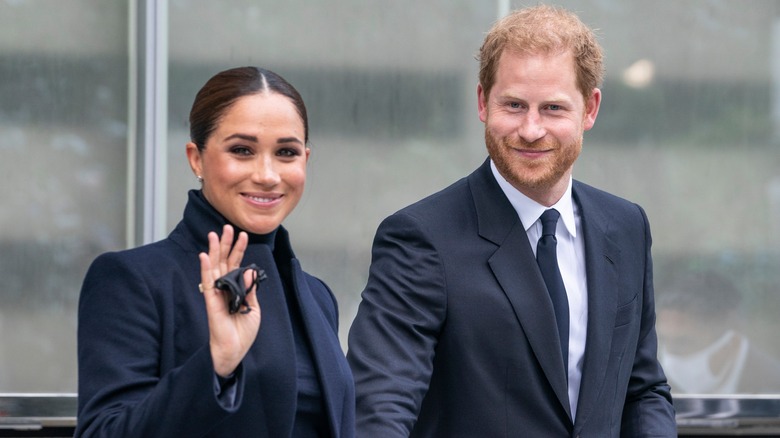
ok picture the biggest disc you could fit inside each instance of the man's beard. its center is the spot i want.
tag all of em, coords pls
(539, 174)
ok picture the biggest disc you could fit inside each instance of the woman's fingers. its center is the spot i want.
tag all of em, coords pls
(223, 257)
(206, 281)
(230, 335)
(214, 254)
(237, 252)
(225, 244)
(212, 296)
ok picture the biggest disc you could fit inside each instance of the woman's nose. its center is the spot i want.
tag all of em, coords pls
(265, 171)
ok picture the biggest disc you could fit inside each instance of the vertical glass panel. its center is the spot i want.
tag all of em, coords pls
(63, 157)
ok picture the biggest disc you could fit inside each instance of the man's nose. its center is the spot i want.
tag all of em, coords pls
(531, 127)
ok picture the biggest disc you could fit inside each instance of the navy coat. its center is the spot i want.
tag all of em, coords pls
(456, 337)
(144, 362)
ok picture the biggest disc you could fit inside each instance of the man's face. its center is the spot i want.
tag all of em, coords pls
(534, 120)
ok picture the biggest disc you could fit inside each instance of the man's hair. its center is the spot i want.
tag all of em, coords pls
(543, 30)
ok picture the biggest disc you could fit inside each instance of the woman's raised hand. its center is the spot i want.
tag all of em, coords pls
(230, 335)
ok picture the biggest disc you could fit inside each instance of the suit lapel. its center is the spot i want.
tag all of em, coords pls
(514, 266)
(601, 257)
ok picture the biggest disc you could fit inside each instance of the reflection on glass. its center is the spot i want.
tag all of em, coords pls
(704, 344)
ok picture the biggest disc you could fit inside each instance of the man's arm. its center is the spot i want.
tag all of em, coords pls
(393, 339)
(648, 411)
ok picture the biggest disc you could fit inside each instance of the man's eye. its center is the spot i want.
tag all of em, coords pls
(554, 107)
(514, 105)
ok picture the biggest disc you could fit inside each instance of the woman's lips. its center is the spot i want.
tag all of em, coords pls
(262, 199)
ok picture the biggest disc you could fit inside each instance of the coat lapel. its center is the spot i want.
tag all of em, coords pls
(601, 257)
(327, 355)
(514, 266)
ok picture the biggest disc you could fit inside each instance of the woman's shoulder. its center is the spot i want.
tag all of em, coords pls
(148, 259)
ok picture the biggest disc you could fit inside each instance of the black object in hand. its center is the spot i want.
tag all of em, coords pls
(232, 284)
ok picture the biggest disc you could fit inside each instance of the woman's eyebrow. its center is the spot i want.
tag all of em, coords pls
(289, 140)
(246, 137)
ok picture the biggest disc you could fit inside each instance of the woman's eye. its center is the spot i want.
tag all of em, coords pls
(288, 152)
(241, 150)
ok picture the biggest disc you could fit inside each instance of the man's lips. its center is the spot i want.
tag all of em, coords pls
(533, 153)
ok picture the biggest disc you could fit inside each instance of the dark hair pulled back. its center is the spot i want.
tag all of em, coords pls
(224, 88)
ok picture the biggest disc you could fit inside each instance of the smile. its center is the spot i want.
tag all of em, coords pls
(533, 153)
(263, 199)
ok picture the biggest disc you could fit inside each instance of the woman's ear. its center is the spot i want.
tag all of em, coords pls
(194, 158)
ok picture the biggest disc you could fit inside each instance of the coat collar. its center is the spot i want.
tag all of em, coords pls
(200, 218)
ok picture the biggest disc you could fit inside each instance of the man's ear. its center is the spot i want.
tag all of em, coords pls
(482, 103)
(591, 109)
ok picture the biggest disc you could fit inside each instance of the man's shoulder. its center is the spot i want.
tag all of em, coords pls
(448, 197)
(453, 198)
(439, 214)
(587, 196)
(612, 212)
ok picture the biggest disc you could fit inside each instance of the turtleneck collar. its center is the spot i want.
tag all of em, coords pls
(200, 218)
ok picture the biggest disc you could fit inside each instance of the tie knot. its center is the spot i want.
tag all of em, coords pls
(549, 222)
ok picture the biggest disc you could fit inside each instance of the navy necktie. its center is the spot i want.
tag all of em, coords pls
(547, 259)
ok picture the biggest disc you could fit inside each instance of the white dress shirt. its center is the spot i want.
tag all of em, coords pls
(571, 262)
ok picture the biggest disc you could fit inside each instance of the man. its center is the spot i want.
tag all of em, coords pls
(456, 334)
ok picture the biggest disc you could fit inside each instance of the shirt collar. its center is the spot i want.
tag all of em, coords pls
(529, 210)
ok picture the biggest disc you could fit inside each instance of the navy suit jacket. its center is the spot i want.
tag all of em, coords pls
(145, 366)
(455, 335)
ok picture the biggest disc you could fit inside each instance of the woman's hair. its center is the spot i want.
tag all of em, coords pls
(543, 30)
(224, 88)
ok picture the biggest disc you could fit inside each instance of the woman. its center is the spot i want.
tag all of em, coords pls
(158, 357)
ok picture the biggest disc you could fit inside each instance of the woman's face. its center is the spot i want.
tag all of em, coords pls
(254, 163)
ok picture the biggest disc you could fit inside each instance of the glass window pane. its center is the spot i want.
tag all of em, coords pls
(63, 149)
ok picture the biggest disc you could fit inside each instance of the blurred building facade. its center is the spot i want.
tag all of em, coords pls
(94, 99)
